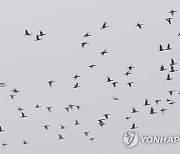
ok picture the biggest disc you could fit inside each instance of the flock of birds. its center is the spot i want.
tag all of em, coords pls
(102, 121)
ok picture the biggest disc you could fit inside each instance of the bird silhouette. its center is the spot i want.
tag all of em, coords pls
(41, 33)
(1, 130)
(162, 110)
(171, 92)
(171, 103)
(83, 44)
(76, 122)
(46, 126)
(109, 79)
(139, 25)
(2, 84)
(37, 106)
(134, 110)
(86, 133)
(172, 12)
(173, 62)
(61, 137)
(4, 144)
(50, 83)
(67, 109)
(134, 126)
(78, 106)
(27, 33)
(92, 65)
(162, 68)
(168, 100)
(127, 73)
(102, 124)
(71, 106)
(152, 111)
(127, 118)
(23, 115)
(12, 96)
(25, 142)
(104, 26)
(20, 109)
(115, 98)
(130, 83)
(76, 85)
(161, 48)
(114, 83)
(86, 35)
(101, 120)
(92, 139)
(130, 67)
(169, 20)
(103, 52)
(172, 69)
(146, 103)
(168, 47)
(76, 76)
(15, 90)
(169, 77)
(62, 127)
(38, 38)
(49, 108)
(157, 101)
(107, 115)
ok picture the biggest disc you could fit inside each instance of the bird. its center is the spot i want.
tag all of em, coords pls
(92, 139)
(50, 83)
(146, 103)
(115, 98)
(109, 79)
(172, 12)
(92, 65)
(15, 90)
(134, 110)
(130, 83)
(27, 33)
(86, 35)
(46, 126)
(20, 109)
(2, 84)
(171, 103)
(127, 118)
(130, 67)
(171, 92)
(161, 48)
(104, 26)
(178, 34)
(168, 47)
(38, 38)
(172, 69)
(67, 109)
(37, 106)
(4, 144)
(25, 142)
(86, 133)
(134, 126)
(76, 122)
(127, 73)
(169, 77)
(49, 108)
(107, 115)
(76, 76)
(162, 68)
(60, 137)
(83, 44)
(173, 62)
(157, 101)
(152, 111)
(23, 115)
(62, 127)
(168, 100)
(12, 96)
(1, 130)
(41, 33)
(78, 106)
(104, 52)
(162, 110)
(169, 20)
(76, 85)
(102, 124)
(139, 25)
(114, 83)
(71, 106)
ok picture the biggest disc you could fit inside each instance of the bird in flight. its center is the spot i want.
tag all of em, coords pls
(71, 106)
(101, 120)
(86, 133)
(157, 101)
(37, 106)
(83, 44)
(62, 127)
(107, 115)
(61, 137)
(134, 126)
(20, 109)
(169, 20)
(162, 68)
(76, 122)
(1, 130)
(76, 76)
(130, 67)
(127, 118)
(169, 77)
(115, 98)
(4, 144)
(2, 84)
(162, 110)
(104, 26)
(146, 103)
(134, 110)
(173, 62)
(23, 115)
(172, 12)
(114, 83)
(27, 33)
(41, 33)
(86, 35)
(15, 90)
(76, 85)
(130, 83)
(168, 47)
(161, 48)
(109, 79)
(78, 106)
(172, 69)
(92, 139)
(38, 38)
(127, 73)
(67, 109)
(49, 108)
(171, 92)
(25, 142)
(171, 103)
(12, 96)
(50, 83)
(139, 25)
(103, 52)
(46, 126)
(152, 111)
(92, 65)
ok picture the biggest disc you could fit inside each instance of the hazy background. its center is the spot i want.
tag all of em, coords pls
(28, 65)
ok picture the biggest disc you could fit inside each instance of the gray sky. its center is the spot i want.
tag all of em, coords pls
(28, 65)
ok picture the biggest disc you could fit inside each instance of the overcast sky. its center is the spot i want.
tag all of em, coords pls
(28, 65)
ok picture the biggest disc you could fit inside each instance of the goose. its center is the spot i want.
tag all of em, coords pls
(161, 48)
(27, 33)
(139, 25)
(76, 85)
(61, 137)
(162, 68)
(146, 103)
(134, 126)
(162, 110)
(49, 108)
(169, 20)
(41, 33)
(92, 65)
(86, 35)
(171, 92)
(83, 44)
(46, 126)
(76, 76)
(50, 83)
(114, 83)
(169, 77)
(130, 83)
(76, 122)
(37, 38)
(134, 110)
(127, 118)
(1, 130)
(103, 52)
(107, 115)
(172, 62)
(86, 133)
(23, 115)
(12, 96)
(172, 69)
(104, 26)
(152, 111)
(172, 12)
(109, 79)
